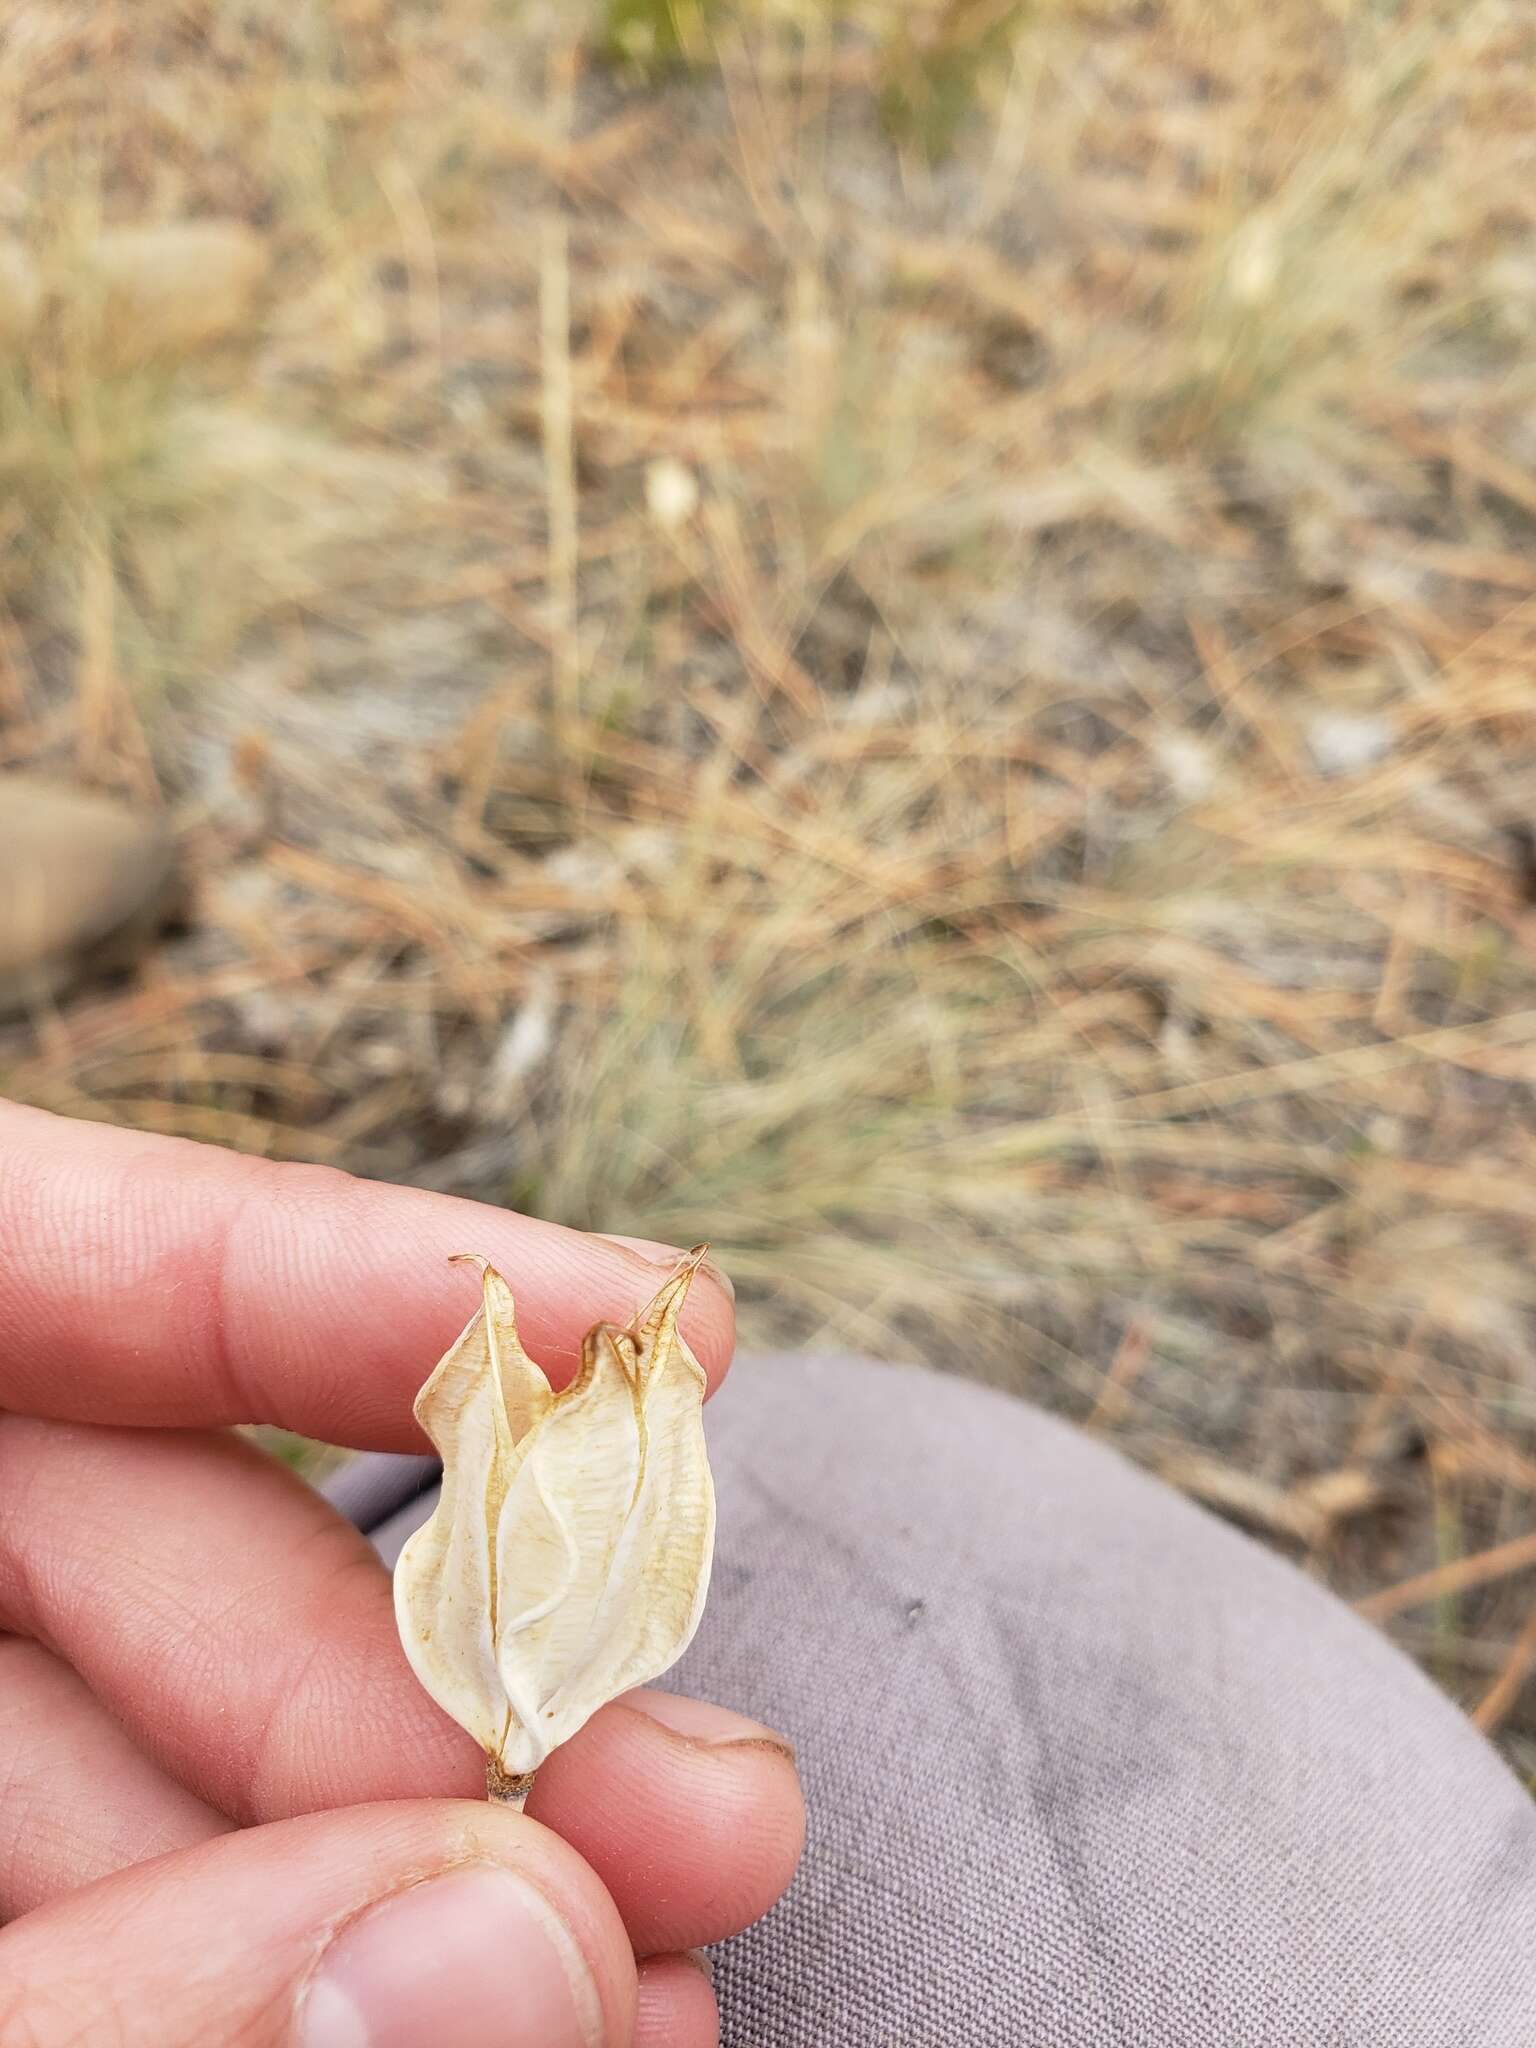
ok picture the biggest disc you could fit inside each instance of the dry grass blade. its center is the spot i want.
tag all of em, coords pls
(1308, 1515)
(1460, 1576)
(1499, 1701)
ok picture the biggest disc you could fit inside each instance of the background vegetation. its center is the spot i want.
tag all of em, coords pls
(904, 637)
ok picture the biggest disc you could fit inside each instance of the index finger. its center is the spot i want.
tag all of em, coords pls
(151, 1280)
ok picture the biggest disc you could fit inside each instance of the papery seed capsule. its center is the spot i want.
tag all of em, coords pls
(568, 1558)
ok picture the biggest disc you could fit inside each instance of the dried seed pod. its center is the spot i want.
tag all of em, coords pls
(568, 1557)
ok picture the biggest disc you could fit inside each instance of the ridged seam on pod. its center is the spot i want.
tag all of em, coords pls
(568, 1557)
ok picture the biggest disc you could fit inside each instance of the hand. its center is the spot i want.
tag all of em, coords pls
(228, 1813)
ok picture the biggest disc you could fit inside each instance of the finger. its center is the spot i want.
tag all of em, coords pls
(239, 1630)
(677, 2004)
(697, 1852)
(80, 1800)
(378, 1927)
(149, 1280)
(244, 1636)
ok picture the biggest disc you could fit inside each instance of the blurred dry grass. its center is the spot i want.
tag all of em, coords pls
(957, 720)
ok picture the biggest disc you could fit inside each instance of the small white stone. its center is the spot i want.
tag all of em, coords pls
(671, 493)
(1186, 762)
(1348, 742)
(522, 1047)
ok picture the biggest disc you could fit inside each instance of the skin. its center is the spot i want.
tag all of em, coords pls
(209, 1736)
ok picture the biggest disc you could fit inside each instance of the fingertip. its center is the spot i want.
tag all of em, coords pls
(437, 1955)
(490, 1896)
(387, 1925)
(696, 1835)
(676, 2005)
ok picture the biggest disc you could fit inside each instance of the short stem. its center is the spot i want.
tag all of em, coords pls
(504, 1787)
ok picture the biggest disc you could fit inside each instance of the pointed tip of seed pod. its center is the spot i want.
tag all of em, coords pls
(490, 1279)
(673, 1291)
(689, 1265)
(653, 1327)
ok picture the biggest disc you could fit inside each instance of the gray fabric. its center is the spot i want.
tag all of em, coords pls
(1084, 1767)
(368, 1490)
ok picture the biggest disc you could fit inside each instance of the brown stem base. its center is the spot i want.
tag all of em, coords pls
(506, 1788)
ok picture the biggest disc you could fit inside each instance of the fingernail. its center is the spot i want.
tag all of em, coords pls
(664, 1257)
(701, 1722)
(701, 1960)
(477, 1958)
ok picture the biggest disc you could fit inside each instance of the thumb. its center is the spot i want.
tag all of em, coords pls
(374, 1927)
